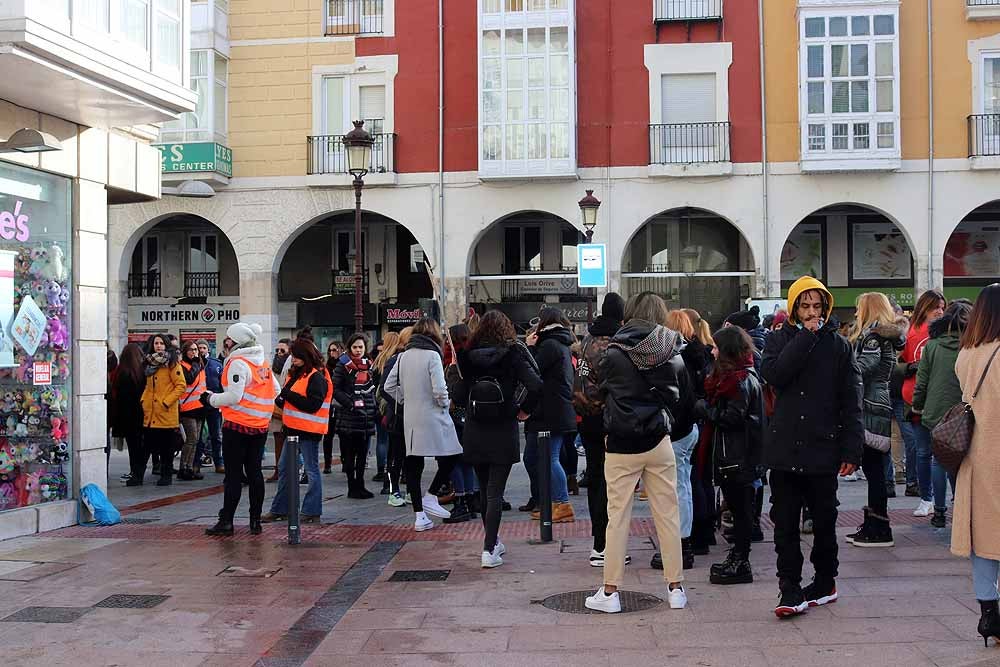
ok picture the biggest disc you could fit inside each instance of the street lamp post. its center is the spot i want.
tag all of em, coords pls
(588, 209)
(358, 144)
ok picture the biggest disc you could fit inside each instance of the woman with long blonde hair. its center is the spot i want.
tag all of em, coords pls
(877, 341)
(392, 421)
(389, 346)
(702, 332)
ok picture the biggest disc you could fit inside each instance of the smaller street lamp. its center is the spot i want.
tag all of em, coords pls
(588, 209)
(358, 144)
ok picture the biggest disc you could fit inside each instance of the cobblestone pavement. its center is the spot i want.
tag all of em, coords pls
(347, 596)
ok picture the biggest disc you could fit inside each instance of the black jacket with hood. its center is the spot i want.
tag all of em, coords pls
(876, 351)
(641, 378)
(554, 412)
(817, 423)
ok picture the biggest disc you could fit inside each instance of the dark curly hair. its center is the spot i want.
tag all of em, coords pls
(494, 328)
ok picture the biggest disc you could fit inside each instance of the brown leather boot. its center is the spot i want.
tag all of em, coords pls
(562, 513)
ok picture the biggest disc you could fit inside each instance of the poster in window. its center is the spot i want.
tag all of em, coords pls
(29, 325)
(973, 251)
(880, 252)
(802, 254)
(6, 308)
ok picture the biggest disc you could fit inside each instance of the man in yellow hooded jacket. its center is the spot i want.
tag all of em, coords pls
(816, 433)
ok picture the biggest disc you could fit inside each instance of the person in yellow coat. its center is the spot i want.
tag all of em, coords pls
(160, 404)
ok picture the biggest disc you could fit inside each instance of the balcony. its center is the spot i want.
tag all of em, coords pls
(984, 141)
(201, 283)
(327, 160)
(355, 17)
(668, 11)
(690, 149)
(144, 284)
(982, 10)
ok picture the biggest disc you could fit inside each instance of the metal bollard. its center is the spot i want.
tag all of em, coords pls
(545, 485)
(291, 453)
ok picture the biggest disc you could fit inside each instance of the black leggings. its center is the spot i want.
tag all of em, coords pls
(597, 488)
(873, 464)
(395, 458)
(328, 449)
(414, 468)
(353, 453)
(740, 498)
(492, 482)
(242, 453)
(161, 441)
(137, 456)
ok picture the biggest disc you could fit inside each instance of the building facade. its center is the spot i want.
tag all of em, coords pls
(86, 83)
(732, 149)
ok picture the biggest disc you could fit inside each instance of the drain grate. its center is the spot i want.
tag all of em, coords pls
(420, 575)
(573, 602)
(47, 614)
(123, 601)
(139, 521)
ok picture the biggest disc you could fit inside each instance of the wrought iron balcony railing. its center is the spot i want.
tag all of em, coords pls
(689, 143)
(327, 154)
(687, 10)
(355, 17)
(984, 135)
(201, 283)
(144, 284)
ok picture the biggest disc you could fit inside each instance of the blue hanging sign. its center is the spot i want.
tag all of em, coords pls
(591, 265)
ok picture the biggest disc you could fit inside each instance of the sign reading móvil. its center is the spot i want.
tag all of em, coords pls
(202, 156)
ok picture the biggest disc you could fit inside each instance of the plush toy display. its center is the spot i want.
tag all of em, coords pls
(60, 429)
(58, 333)
(8, 469)
(8, 496)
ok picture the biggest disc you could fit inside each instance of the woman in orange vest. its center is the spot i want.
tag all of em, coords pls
(246, 402)
(192, 411)
(305, 402)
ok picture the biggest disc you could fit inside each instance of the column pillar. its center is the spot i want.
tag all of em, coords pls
(259, 304)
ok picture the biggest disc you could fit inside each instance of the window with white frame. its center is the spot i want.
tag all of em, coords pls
(203, 256)
(527, 83)
(849, 63)
(991, 83)
(146, 33)
(94, 13)
(209, 78)
(167, 26)
(134, 22)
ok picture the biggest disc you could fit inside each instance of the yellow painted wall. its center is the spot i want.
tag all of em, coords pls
(270, 86)
(953, 75)
(913, 76)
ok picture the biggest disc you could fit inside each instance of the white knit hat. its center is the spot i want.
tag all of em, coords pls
(243, 333)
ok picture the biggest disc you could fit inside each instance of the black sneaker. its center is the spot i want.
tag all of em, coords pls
(734, 570)
(791, 603)
(939, 520)
(912, 491)
(877, 534)
(890, 490)
(656, 562)
(379, 477)
(818, 594)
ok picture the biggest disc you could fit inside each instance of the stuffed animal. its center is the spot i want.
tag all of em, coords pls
(32, 489)
(7, 405)
(22, 263)
(53, 294)
(8, 468)
(39, 262)
(60, 429)
(38, 294)
(62, 364)
(58, 333)
(29, 404)
(8, 496)
(21, 429)
(26, 370)
(55, 267)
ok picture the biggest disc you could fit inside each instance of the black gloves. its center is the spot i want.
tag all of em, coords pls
(204, 399)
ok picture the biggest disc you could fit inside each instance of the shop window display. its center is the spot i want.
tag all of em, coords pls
(35, 337)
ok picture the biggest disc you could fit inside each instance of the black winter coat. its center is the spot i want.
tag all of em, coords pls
(737, 432)
(684, 415)
(126, 406)
(554, 412)
(352, 421)
(698, 361)
(817, 423)
(641, 375)
(496, 441)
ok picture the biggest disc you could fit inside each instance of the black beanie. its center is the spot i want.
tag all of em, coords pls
(613, 307)
(746, 319)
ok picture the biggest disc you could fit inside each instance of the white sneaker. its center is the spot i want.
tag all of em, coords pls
(677, 598)
(433, 507)
(491, 560)
(499, 549)
(422, 523)
(609, 604)
(597, 559)
(924, 508)
(396, 500)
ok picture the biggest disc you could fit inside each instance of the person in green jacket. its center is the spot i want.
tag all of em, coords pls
(938, 390)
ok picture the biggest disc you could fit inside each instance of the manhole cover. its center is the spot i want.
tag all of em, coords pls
(259, 573)
(122, 601)
(420, 575)
(573, 602)
(139, 521)
(47, 614)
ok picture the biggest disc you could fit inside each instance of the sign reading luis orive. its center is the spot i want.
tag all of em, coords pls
(202, 156)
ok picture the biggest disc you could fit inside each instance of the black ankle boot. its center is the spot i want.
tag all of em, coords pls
(734, 570)
(255, 526)
(224, 528)
(687, 553)
(474, 504)
(989, 623)
(460, 513)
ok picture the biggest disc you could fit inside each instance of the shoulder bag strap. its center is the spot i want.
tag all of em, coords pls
(985, 371)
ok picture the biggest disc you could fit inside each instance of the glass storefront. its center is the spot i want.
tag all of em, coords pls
(35, 337)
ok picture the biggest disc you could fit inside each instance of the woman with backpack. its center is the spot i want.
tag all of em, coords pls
(491, 368)
(354, 383)
(416, 383)
(550, 344)
(733, 410)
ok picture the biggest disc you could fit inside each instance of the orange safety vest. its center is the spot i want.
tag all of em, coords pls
(255, 408)
(191, 400)
(316, 422)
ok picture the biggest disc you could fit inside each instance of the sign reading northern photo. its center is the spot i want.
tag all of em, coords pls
(165, 314)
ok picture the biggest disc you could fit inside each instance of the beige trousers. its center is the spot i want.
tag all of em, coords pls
(898, 452)
(658, 470)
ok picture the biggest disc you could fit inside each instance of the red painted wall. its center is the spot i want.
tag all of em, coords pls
(612, 82)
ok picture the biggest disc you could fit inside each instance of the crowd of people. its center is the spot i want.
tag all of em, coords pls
(663, 408)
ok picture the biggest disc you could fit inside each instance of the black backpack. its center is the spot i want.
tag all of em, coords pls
(486, 400)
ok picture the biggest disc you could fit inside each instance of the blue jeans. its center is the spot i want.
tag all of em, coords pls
(685, 500)
(560, 492)
(922, 436)
(312, 504)
(940, 478)
(463, 478)
(213, 420)
(909, 441)
(381, 446)
(984, 577)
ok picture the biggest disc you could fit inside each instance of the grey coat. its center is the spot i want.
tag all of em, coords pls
(417, 383)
